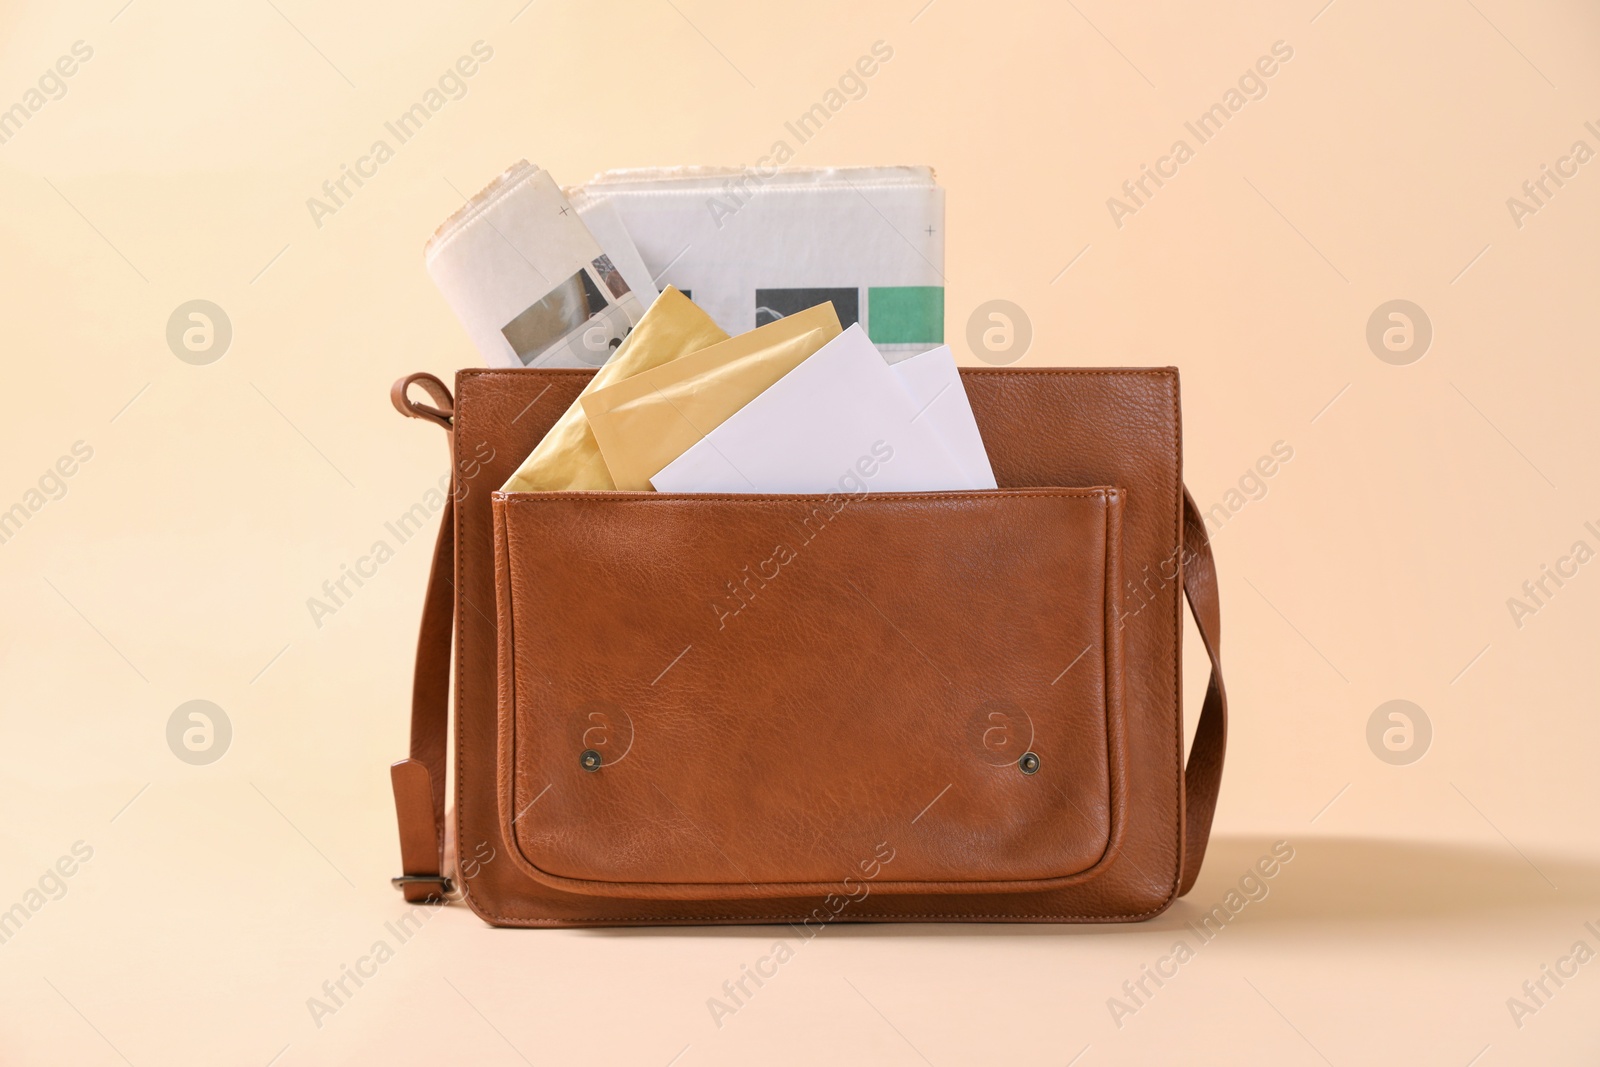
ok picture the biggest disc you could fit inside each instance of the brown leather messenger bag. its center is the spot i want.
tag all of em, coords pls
(842, 707)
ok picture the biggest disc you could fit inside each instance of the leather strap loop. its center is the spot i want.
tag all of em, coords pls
(442, 415)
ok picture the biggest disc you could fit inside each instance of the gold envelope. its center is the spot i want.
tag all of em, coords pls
(568, 457)
(650, 419)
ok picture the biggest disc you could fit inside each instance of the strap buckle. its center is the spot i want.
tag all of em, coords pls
(446, 886)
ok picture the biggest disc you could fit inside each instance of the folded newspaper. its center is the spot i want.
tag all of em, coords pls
(750, 246)
(530, 281)
(539, 279)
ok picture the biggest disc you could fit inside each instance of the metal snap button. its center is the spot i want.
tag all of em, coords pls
(590, 760)
(1029, 763)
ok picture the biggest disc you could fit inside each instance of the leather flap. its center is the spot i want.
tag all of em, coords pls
(708, 697)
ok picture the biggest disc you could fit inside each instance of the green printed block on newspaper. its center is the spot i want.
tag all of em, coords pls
(906, 315)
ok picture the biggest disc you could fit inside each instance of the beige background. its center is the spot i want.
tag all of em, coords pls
(1378, 566)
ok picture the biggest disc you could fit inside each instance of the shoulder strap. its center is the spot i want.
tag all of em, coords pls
(1202, 778)
(419, 780)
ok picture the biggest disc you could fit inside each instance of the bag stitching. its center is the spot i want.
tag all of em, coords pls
(604, 495)
(1108, 497)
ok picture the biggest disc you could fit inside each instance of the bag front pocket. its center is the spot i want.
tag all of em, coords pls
(707, 696)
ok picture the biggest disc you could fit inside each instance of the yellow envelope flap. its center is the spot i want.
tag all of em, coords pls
(568, 457)
(648, 420)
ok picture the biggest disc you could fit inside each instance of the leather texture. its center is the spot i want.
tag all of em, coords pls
(818, 797)
(773, 686)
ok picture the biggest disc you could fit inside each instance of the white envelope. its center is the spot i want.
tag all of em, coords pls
(842, 421)
(935, 385)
